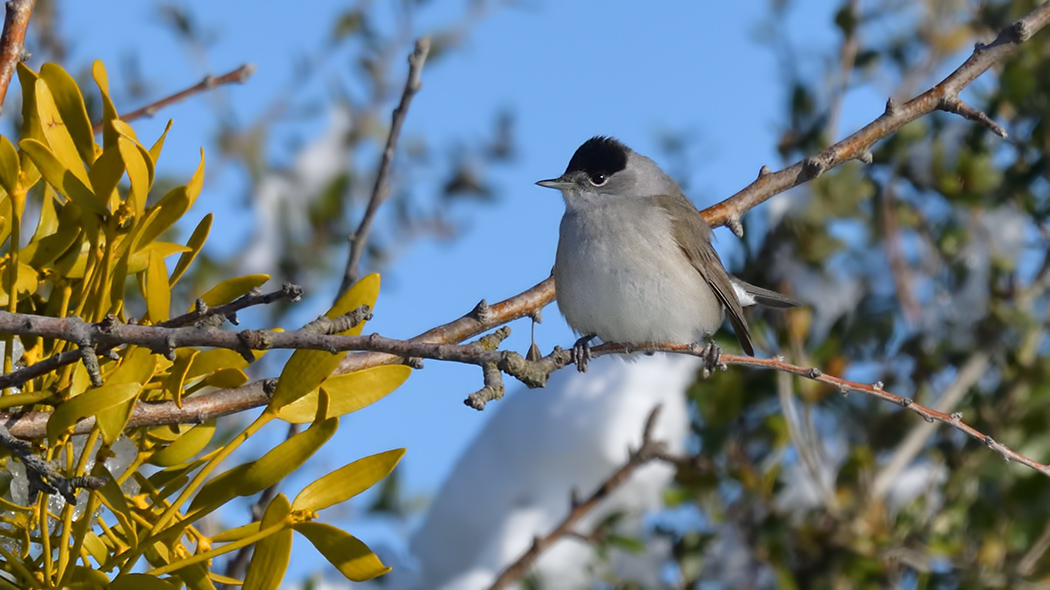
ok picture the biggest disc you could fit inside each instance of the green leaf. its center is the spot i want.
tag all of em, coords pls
(141, 582)
(307, 369)
(186, 446)
(87, 404)
(346, 553)
(272, 554)
(158, 296)
(231, 289)
(193, 247)
(348, 393)
(9, 166)
(50, 247)
(63, 180)
(70, 105)
(346, 482)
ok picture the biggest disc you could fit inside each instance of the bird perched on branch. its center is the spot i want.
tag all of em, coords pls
(635, 262)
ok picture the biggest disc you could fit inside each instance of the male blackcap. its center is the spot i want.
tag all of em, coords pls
(635, 262)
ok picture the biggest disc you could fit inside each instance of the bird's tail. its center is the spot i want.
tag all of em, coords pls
(749, 294)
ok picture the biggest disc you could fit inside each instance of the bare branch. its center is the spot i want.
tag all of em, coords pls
(238, 76)
(41, 475)
(381, 188)
(12, 41)
(202, 313)
(944, 96)
(648, 451)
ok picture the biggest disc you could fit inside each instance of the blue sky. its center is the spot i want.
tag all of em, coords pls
(568, 70)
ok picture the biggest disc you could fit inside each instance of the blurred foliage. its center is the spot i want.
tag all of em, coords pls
(98, 249)
(932, 258)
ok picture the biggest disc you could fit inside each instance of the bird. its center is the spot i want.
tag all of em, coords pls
(635, 263)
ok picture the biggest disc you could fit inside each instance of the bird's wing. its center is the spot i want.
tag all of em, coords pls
(693, 235)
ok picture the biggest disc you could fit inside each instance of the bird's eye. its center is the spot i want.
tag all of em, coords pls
(598, 179)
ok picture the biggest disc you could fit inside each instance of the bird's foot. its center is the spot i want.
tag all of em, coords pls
(581, 352)
(712, 357)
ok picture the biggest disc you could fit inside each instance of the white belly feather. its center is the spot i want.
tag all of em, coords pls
(629, 284)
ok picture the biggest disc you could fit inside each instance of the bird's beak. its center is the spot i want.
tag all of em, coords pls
(556, 183)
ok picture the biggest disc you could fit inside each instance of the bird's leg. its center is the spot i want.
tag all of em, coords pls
(581, 352)
(712, 356)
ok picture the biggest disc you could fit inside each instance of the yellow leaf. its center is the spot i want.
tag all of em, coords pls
(126, 130)
(71, 107)
(105, 174)
(216, 359)
(285, 458)
(236, 534)
(109, 112)
(169, 209)
(30, 122)
(139, 261)
(158, 296)
(25, 283)
(113, 498)
(9, 166)
(137, 367)
(345, 552)
(86, 577)
(270, 560)
(55, 243)
(154, 151)
(195, 577)
(57, 134)
(62, 179)
(348, 393)
(193, 188)
(231, 289)
(307, 369)
(186, 446)
(87, 404)
(177, 374)
(138, 174)
(346, 482)
(141, 582)
(193, 247)
(95, 547)
(227, 378)
(219, 490)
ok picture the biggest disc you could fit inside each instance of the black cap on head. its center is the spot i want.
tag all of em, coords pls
(599, 155)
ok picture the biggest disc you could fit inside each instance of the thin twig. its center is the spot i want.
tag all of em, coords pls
(381, 188)
(912, 444)
(648, 451)
(12, 41)
(238, 76)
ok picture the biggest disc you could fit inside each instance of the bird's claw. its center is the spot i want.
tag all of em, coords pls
(581, 352)
(712, 357)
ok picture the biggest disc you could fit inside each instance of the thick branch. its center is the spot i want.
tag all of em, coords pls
(239, 76)
(381, 189)
(12, 41)
(647, 452)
